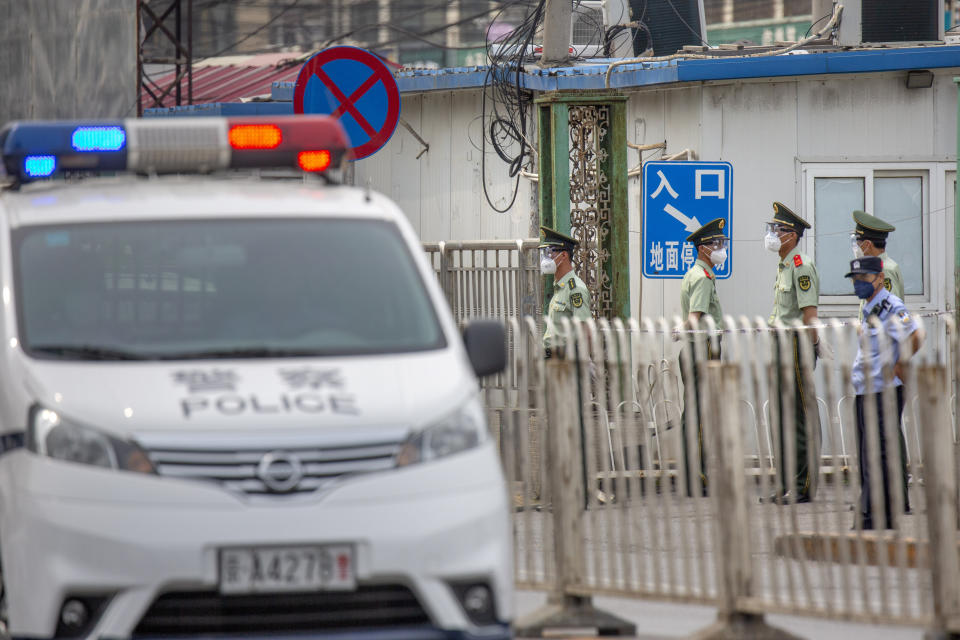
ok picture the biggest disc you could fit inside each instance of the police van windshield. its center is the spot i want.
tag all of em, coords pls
(220, 289)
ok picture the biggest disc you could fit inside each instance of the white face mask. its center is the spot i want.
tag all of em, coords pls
(771, 242)
(857, 251)
(718, 256)
(547, 266)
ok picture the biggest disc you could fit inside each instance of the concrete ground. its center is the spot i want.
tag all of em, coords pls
(658, 620)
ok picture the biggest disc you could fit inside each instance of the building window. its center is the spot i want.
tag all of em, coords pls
(713, 11)
(798, 8)
(744, 10)
(896, 197)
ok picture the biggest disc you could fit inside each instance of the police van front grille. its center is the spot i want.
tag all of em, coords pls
(267, 470)
(369, 607)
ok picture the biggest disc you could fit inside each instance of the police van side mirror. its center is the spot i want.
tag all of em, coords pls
(486, 343)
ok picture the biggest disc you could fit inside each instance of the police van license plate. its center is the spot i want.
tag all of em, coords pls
(278, 569)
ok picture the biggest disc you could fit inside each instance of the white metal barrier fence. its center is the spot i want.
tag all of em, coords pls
(498, 279)
(489, 278)
(607, 504)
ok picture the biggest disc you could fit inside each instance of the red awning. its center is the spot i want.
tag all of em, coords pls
(232, 78)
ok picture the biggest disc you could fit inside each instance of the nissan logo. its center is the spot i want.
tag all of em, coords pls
(280, 471)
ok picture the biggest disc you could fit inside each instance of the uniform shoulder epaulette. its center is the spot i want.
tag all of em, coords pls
(707, 273)
(797, 261)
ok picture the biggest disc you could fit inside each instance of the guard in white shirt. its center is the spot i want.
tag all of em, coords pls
(903, 337)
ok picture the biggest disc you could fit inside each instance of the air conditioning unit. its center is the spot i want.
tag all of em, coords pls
(672, 24)
(885, 21)
(589, 23)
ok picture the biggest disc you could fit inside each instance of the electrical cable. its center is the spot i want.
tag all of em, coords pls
(504, 101)
(418, 35)
(255, 31)
(816, 23)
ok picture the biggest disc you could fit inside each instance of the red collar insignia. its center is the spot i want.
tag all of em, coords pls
(797, 261)
(707, 273)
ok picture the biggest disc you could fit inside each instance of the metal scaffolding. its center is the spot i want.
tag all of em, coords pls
(155, 38)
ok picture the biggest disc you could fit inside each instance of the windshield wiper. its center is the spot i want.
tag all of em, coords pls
(239, 352)
(87, 352)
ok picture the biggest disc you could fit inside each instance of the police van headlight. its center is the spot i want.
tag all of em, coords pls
(50, 434)
(459, 431)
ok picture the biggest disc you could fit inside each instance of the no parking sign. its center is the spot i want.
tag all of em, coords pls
(356, 87)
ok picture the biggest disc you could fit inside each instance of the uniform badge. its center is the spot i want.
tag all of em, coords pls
(571, 283)
(887, 284)
(721, 224)
(797, 261)
(577, 299)
(803, 281)
(904, 316)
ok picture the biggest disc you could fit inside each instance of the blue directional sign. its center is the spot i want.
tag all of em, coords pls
(678, 199)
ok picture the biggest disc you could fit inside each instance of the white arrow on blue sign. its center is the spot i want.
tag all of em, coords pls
(678, 199)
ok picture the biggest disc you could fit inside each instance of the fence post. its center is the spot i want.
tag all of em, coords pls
(444, 276)
(728, 486)
(940, 488)
(566, 611)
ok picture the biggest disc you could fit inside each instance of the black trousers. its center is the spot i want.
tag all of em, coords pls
(792, 382)
(687, 463)
(866, 508)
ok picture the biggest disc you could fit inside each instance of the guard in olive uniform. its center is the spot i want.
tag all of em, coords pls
(796, 295)
(870, 239)
(570, 296)
(698, 297)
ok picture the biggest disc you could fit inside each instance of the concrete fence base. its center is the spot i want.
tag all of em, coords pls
(742, 626)
(571, 616)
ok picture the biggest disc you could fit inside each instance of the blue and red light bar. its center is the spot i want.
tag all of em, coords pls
(34, 150)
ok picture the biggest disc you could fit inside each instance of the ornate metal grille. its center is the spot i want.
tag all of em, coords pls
(590, 208)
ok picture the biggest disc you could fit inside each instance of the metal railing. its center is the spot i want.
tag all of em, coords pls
(489, 278)
(605, 504)
(497, 279)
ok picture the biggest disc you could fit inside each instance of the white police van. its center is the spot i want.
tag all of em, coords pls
(233, 405)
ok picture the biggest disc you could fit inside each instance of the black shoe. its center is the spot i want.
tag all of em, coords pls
(785, 498)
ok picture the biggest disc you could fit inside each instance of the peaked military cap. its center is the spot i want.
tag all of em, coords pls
(708, 232)
(553, 238)
(868, 264)
(871, 227)
(783, 215)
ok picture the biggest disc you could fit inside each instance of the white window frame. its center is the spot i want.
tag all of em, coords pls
(937, 226)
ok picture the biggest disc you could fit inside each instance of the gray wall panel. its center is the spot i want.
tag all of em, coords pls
(68, 58)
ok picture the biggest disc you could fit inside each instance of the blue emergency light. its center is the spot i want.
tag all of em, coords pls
(40, 149)
(98, 138)
(39, 166)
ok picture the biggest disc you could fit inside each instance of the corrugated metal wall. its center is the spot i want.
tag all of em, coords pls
(441, 192)
(68, 58)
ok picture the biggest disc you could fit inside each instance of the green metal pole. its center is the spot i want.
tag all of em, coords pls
(560, 158)
(554, 183)
(545, 182)
(618, 266)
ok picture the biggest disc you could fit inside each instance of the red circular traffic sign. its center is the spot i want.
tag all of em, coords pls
(356, 87)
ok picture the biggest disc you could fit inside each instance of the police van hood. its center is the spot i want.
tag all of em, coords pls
(254, 395)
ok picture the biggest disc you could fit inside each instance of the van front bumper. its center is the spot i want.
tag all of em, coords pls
(70, 530)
